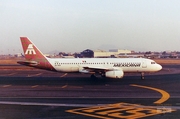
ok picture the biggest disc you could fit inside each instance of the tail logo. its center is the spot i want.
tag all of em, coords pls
(30, 50)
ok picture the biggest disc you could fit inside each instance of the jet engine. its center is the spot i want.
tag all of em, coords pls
(114, 74)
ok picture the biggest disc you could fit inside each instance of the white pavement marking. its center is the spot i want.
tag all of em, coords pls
(34, 86)
(64, 75)
(5, 86)
(64, 86)
(44, 104)
(34, 75)
(71, 105)
(8, 74)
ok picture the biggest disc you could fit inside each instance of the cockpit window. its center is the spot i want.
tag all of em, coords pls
(153, 62)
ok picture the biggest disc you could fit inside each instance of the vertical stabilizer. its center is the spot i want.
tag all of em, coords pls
(34, 56)
(31, 52)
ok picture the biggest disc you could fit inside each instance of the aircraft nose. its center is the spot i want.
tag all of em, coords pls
(159, 67)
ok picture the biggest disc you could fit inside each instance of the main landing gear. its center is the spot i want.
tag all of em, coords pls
(93, 76)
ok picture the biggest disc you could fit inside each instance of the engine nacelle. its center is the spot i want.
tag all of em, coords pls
(114, 74)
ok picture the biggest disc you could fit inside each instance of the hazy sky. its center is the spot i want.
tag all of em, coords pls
(75, 25)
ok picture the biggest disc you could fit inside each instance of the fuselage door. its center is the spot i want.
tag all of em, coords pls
(144, 64)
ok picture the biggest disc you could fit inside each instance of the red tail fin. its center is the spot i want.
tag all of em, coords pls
(31, 52)
(33, 56)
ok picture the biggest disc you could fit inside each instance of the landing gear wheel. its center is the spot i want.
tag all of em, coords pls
(103, 75)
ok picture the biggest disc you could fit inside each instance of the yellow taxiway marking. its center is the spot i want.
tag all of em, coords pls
(34, 86)
(165, 95)
(34, 75)
(125, 110)
(5, 86)
(64, 75)
(8, 74)
(119, 111)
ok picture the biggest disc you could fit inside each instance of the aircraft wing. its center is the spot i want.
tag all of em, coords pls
(98, 68)
(92, 69)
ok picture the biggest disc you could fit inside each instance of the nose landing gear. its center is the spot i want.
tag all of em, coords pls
(142, 75)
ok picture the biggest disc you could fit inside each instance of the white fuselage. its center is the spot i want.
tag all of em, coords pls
(124, 64)
(106, 67)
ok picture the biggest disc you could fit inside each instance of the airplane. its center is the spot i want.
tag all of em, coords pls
(105, 67)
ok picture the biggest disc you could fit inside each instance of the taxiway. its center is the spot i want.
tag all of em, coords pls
(33, 93)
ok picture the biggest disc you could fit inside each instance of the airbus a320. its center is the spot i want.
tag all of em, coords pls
(105, 67)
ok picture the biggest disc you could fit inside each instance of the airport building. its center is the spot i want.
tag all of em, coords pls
(103, 54)
(87, 53)
(110, 53)
(118, 51)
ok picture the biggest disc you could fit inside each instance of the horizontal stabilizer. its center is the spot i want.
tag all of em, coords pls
(28, 63)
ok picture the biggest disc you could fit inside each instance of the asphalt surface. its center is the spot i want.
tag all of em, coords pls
(28, 93)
